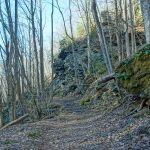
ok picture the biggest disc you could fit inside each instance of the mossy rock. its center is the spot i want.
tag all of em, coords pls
(134, 73)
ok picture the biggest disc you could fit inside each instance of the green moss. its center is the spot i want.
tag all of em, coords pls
(126, 62)
(122, 76)
(99, 67)
(33, 134)
(8, 142)
(134, 74)
(85, 101)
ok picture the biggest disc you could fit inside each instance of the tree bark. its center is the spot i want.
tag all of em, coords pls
(73, 44)
(118, 34)
(101, 38)
(52, 51)
(126, 28)
(35, 46)
(145, 7)
(87, 13)
(133, 39)
(9, 61)
(41, 49)
(1, 112)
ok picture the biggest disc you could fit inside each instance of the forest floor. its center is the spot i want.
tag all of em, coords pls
(80, 129)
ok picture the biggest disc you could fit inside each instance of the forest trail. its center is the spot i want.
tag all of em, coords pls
(71, 104)
(79, 129)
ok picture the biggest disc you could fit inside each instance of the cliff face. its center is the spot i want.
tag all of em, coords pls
(64, 67)
(134, 74)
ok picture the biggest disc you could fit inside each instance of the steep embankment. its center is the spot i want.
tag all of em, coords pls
(134, 73)
(134, 76)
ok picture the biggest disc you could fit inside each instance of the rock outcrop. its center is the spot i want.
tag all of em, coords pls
(64, 67)
(129, 72)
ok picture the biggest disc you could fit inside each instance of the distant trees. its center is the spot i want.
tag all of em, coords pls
(22, 52)
(121, 21)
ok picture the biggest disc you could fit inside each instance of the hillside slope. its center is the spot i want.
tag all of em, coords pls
(134, 73)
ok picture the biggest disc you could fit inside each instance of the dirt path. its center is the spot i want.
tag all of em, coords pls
(79, 129)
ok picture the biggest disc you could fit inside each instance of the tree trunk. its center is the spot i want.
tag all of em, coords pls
(52, 49)
(133, 40)
(1, 112)
(73, 44)
(101, 38)
(145, 7)
(118, 34)
(41, 49)
(35, 47)
(9, 61)
(109, 26)
(87, 13)
(126, 28)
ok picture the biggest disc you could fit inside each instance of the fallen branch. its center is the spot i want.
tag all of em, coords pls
(106, 78)
(100, 81)
(14, 122)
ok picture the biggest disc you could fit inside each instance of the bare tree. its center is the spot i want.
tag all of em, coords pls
(1, 112)
(86, 23)
(126, 26)
(145, 6)
(41, 48)
(33, 8)
(101, 38)
(133, 40)
(118, 33)
(73, 43)
(52, 49)
(10, 81)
